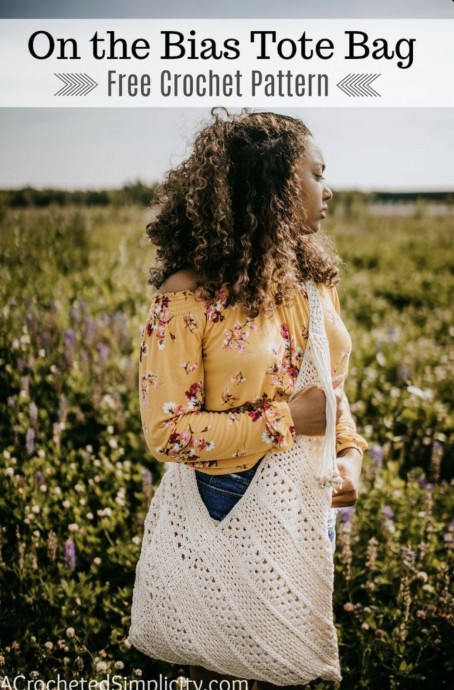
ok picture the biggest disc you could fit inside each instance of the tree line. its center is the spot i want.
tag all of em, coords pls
(139, 193)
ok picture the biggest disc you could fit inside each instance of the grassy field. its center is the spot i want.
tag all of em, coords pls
(77, 479)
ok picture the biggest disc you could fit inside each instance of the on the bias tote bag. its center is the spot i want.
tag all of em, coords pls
(249, 596)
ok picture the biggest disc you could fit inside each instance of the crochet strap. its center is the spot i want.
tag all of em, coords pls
(317, 352)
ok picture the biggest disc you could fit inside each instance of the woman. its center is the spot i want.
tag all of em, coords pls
(237, 235)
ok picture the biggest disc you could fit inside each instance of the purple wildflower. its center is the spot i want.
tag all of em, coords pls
(69, 342)
(407, 554)
(33, 411)
(11, 401)
(387, 513)
(90, 331)
(377, 454)
(70, 554)
(422, 481)
(103, 351)
(346, 514)
(147, 480)
(30, 440)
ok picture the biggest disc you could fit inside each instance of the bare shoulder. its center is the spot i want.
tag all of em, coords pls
(181, 280)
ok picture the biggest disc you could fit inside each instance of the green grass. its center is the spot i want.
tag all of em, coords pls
(75, 471)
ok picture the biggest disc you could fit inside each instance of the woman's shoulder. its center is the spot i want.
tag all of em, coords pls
(180, 281)
(177, 297)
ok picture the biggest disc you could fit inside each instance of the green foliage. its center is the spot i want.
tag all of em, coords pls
(76, 478)
(28, 197)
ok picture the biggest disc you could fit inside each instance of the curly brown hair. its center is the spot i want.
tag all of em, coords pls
(233, 213)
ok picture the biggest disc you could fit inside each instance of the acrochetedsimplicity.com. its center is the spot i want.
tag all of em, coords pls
(116, 682)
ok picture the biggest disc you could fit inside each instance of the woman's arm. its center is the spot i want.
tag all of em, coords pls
(176, 425)
(350, 447)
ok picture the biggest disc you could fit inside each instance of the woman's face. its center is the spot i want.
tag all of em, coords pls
(314, 188)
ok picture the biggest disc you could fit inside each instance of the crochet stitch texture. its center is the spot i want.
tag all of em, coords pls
(251, 595)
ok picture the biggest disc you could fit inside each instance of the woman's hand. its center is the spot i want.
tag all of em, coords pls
(308, 410)
(349, 463)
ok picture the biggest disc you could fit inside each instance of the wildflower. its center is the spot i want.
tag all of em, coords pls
(349, 607)
(101, 666)
(70, 632)
(377, 455)
(147, 480)
(49, 646)
(33, 412)
(136, 540)
(97, 560)
(422, 576)
(408, 556)
(103, 351)
(73, 527)
(38, 478)
(387, 513)
(379, 633)
(119, 665)
(62, 409)
(36, 510)
(9, 472)
(52, 545)
(70, 554)
(66, 503)
(69, 346)
(346, 514)
(30, 440)
(435, 460)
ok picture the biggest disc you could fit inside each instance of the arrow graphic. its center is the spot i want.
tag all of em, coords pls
(75, 84)
(358, 85)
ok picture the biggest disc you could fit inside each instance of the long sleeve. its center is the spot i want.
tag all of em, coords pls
(176, 424)
(346, 434)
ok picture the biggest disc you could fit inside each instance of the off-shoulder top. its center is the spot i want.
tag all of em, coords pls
(214, 382)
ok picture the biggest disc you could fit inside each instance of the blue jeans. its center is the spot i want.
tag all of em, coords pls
(221, 492)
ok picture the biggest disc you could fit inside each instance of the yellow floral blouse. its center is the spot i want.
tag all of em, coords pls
(214, 383)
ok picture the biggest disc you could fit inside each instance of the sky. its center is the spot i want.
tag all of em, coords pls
(395, 149)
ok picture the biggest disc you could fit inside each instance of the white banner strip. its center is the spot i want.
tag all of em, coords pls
(92, 63)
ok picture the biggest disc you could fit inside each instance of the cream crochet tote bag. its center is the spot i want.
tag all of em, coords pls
(249, 596)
